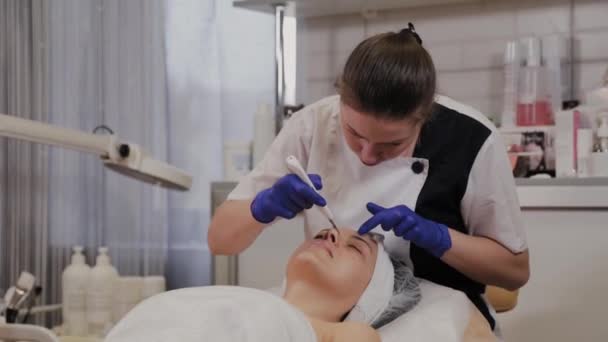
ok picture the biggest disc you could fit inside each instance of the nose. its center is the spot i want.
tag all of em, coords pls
(332, 236)
(368, 155)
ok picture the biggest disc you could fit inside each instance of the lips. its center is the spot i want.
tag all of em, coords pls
(325, 245)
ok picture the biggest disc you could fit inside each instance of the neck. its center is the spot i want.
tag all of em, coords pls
(313, 302)
(409, 151)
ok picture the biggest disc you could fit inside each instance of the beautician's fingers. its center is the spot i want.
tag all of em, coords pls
(279, 210)
(316, 180)
(299, 200)
(306, 193)
(286, 213)
(292, 205)
(405, 226)
(390, 219)
(368, 225)
(378, 219)
(374, 208)
(386, 226)
(381, 217)
(413, 234)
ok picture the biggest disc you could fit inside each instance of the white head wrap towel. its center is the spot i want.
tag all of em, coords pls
(377, 295)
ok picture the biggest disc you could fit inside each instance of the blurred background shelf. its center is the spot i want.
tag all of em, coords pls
(319, 8)
(588, 181)
(563, 193)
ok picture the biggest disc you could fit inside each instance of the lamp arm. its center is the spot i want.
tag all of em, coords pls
(121, 157)
(43, 133)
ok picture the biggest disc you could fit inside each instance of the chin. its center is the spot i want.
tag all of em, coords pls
(312, 258)
(367, 164)
(311, 265)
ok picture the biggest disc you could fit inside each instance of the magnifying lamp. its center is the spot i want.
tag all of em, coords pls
(123, 157)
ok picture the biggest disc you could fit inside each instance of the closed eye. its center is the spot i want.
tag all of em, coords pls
(360, 240)
(356, 248)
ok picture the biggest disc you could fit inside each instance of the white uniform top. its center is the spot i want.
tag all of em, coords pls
(489, 206)
(459, 175)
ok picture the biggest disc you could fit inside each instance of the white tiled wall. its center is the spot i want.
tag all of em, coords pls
(466, 41)
(467, 44)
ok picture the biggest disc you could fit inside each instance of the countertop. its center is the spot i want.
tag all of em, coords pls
(564, 193)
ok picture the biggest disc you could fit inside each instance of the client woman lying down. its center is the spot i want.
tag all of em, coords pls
(339, 286)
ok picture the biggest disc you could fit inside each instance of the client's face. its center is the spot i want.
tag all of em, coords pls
(339, 261)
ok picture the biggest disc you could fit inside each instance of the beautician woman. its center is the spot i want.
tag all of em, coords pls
(390, 154)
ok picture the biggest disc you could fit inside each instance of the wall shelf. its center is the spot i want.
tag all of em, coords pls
(563, 193)
(588, 181)
(318, 8)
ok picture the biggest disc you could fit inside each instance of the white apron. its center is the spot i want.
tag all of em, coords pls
(348, 185)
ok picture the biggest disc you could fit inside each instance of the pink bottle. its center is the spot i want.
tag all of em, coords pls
(534, 101)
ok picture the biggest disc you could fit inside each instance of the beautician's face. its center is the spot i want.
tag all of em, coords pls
(338, 260)
(376, 140)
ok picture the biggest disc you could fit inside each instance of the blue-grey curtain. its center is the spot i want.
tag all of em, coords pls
(194, 85)
(219, 69)
(176, 77)
(24, 181)
(81, 64)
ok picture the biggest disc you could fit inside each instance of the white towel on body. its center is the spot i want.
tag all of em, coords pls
(213, 313)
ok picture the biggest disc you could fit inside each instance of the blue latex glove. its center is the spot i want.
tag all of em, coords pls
(432, 236)
(286, 198)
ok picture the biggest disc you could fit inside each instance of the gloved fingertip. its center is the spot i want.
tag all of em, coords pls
(373, 208)
(363, 230)
(320, 201)
(316, 180)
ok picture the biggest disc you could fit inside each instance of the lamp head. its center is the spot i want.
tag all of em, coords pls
(129, 160)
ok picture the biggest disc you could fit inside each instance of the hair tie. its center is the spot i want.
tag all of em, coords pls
(412, 31)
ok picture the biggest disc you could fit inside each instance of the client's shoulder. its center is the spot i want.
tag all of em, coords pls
(344, 332)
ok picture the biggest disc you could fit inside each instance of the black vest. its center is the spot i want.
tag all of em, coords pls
(450, 141)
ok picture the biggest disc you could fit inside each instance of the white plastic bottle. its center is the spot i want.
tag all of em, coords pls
(74, 284)
(512, 64)
(554, 54)
(599, 97)
(101, 285)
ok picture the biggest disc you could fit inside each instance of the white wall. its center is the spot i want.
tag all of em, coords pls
(565, 299)
(246, 48)
(220, 66)
(466, 41)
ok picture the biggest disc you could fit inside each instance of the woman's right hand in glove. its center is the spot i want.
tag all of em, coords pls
(286, 198)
